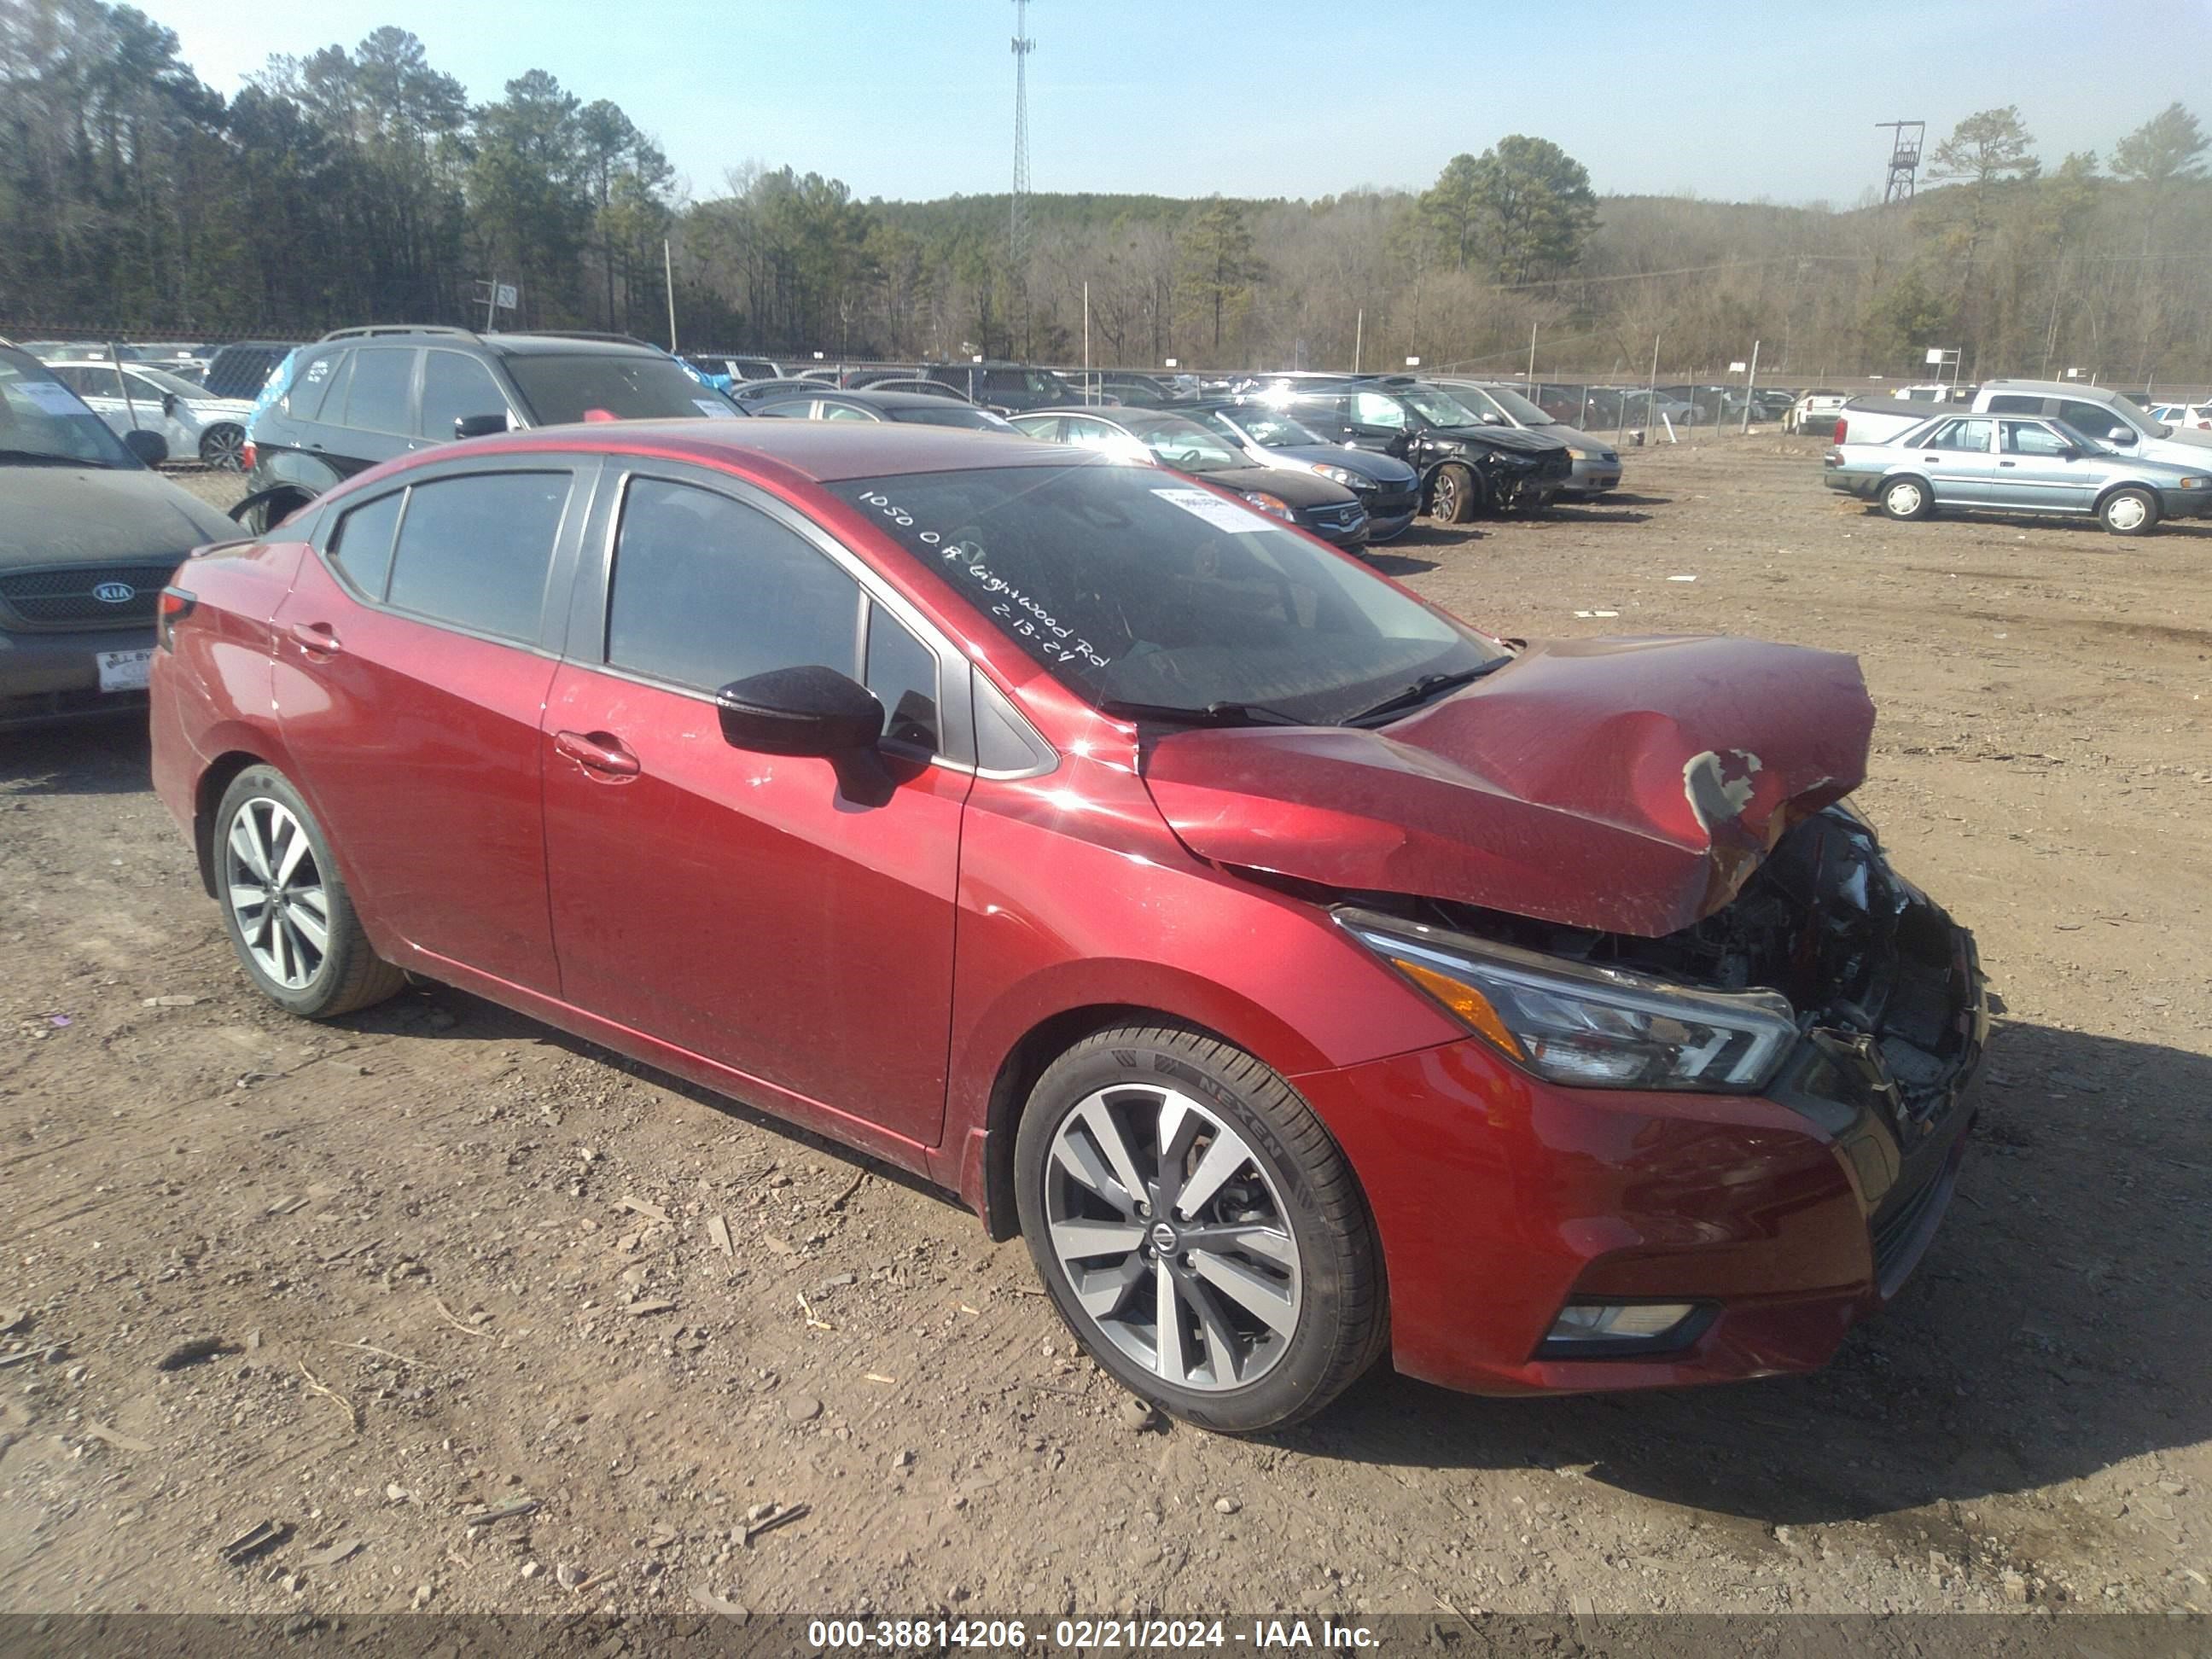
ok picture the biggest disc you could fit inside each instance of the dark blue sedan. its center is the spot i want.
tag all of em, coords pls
(1388, 489)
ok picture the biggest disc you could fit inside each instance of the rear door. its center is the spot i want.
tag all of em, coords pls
(765, 913)
(1955, 458)
(414, 654)
(375, 422)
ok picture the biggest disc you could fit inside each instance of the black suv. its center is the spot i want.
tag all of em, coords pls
(1465, 466)
(361, 396)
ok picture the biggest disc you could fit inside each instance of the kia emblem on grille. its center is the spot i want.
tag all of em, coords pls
(115, 592)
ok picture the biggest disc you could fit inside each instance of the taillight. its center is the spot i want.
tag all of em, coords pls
(247, 458)
(1842, 430)
(176, 605)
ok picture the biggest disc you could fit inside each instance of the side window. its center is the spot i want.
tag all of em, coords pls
(2032, 438)
(331, 408)
(836, 411)
(474, 551)
(903, 673)
(2010, 402)
(382, 376)
(787, 408)
(1091, 434)
(361, 546)
(1047, 427)
(310, 385)
(453, 386)
(2095, 419)
(707, 590)
(1969, 435)
(1372, 409)
(1327, 416)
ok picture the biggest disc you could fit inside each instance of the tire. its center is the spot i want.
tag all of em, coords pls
(219, 447)
(263, 829)
(2129, 511)
(1283, 1313)
(1454, 495)
(1907, 499)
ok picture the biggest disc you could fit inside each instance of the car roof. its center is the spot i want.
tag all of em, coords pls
(807, 452)
(2096, 394)
(870, 398)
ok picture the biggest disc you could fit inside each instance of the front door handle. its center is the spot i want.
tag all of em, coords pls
(2004, 463)
(316, 639)
(597, 751)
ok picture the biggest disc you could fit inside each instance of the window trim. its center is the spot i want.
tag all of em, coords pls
(586, 473)
(584, 644)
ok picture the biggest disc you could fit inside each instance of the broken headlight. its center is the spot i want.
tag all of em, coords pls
(1593, 1027)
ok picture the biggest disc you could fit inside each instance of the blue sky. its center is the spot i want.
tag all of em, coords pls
(914, 98)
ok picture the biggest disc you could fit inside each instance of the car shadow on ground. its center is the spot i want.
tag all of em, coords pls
(2055, 1329)
(1623, 498)
(104, 755)
(1610, 512)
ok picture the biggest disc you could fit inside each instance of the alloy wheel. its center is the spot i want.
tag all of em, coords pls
(1445, 506)
(275, 890)
(223, 448)
(1177, 1245)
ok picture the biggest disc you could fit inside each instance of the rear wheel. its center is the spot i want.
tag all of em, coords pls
(2129, 511)
(284, 906)
(1198, 1230)
(1907, 499)
(1453, 497)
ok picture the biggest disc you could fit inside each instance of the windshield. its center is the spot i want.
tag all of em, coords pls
(162, 381)
(1182, 444)
(41, 421)
(1274, 431)
(1515, 406)
(952, 414)
(1128, 587)
(1437, 407)
(621, 387)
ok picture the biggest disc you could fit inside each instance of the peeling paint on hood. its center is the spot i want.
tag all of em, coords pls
(1628, 784)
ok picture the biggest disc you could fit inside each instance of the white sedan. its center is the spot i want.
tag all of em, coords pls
(140, 397)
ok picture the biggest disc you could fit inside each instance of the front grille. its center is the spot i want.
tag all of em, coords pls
(1557, 464)
(68, 596)
(1340, 517)
(1389, 503)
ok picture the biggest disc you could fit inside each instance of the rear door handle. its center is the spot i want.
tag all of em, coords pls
(316, 639)
(2004, 463)
(597, 751)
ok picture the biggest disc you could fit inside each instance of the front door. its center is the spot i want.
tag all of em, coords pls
(411, 670)
(2039, 466)
(752, 909)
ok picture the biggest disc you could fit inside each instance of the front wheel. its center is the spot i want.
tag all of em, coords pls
(1452, 498)
(1906, 499)
(2129, 511)
(222, 448)
(286, 911)
(1198, 1230)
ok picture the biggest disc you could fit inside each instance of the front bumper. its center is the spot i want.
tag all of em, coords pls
(56, 676)
(1339, 529)
(1591, 479)
(1791, 1215)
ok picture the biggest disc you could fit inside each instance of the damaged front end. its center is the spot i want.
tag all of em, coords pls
(1829, 984)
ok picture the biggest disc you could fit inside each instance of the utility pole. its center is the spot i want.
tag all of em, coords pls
(1358, 337)
(668, 275)
(1531, 361)
(1018, 201)
(1749, 379)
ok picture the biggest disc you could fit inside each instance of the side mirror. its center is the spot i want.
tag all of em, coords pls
(801, 711)
(478, 426)
(147, 448)
(2122, 435)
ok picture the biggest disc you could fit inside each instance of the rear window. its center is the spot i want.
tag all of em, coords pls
(474, 551)
(611, 386)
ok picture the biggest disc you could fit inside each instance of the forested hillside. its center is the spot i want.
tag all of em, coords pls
(362, 184)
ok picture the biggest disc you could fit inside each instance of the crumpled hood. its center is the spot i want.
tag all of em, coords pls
(1626, 785)
(1518, 439)
(57, 514)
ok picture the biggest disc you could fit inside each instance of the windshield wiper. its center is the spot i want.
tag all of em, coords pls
(1422, 690)
(1214, 713)
(44, 458)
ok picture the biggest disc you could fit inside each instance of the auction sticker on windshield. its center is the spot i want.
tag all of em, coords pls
(125, 670)
(1222, 516)
(715, 408)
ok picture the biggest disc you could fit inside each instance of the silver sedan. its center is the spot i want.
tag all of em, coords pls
(139, 396)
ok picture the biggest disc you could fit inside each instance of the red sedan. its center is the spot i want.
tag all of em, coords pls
(1304, 973)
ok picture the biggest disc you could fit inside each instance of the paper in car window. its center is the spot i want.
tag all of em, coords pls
(53, 397)
(714, 409)
(1222, 516)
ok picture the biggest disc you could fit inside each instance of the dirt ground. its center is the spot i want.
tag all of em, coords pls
(439, 1259)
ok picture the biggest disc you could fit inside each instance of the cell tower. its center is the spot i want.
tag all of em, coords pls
(1018, 214)
(1904, 159)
